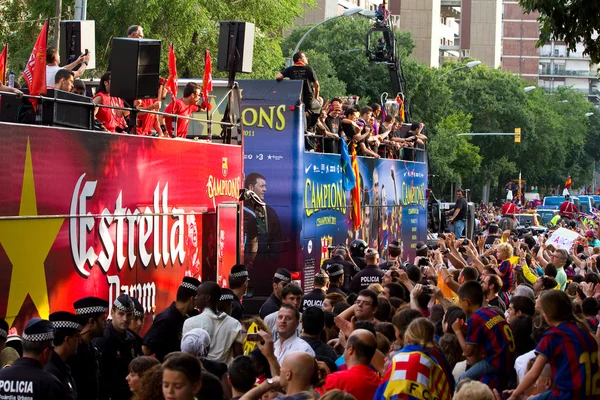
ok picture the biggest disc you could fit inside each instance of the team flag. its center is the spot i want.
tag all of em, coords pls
(171, 84)
(414, 375)
(349, 180)
(35, 70)
(355, 192)
(207, 85)
(3, 62)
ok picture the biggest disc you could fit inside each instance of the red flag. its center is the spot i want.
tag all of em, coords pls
(171, 85)
(356, 219)
(3, 61)
(35, 70)
(207, 86)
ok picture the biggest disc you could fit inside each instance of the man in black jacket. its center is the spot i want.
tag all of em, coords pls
(281, 278)
(371, 273)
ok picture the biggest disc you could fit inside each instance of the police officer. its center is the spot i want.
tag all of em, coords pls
(117, 349)
(280, 279)
(26, 378)
(336, 278)
(394, 251)
(341, 256)
(357, 251)
(164, 336)
(66, 340)
(371, 273)
(315, 297)
(238, 283)
(84, 364)
(136, 325)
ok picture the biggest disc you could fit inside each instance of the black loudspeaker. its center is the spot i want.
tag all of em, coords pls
(135, 67)
(244, 45)
(75, 38)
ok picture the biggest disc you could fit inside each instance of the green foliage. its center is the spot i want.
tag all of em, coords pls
(569, 21)
(331, 86)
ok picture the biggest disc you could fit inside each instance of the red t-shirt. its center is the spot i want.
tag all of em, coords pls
(360, 381)
(108, 116)
(179, 108)
(146, 121)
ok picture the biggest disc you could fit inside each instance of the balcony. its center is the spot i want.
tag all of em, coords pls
(563, 56)
(567, 73)
(593, 92)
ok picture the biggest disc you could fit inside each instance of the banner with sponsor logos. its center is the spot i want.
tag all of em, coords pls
(393, 205)
(95, 214)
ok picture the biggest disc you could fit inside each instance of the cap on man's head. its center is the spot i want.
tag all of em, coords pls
(138, 310)
(38, 330)
(226, 294)
(190, 284)
(65, 320)
(394, 244)
(335, 270)
(283, 275)
(371, 252)
(589, 234)
(90, 306)
(3, 329)
(238, 271)
(196, 342)
(422, 249)
(124, 303)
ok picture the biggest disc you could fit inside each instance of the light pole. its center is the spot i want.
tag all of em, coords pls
(529, 89)
(347, 13)
(470, 64)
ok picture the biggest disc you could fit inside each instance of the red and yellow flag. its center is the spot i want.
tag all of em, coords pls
(35, 70)
(3, 66)
(568, 183)
(355, 192)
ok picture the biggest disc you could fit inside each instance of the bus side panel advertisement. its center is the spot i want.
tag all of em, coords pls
(393, 206)
(95, 214)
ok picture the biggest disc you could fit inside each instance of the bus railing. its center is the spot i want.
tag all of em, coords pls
(319, 144)
(136, 111)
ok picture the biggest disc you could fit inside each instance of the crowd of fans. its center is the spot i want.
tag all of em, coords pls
(506, 315)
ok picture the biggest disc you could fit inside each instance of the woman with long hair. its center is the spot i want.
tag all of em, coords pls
(112, 119)
(570, 349)
(137, 369)
(401, 378)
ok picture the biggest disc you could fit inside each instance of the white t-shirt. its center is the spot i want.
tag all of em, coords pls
(291, 345)
(521, 364)
(51, 71)
(223, 330)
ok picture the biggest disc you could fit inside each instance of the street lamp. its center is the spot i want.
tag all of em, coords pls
(529, 89)
(470, 64)
(589, 114)
(347, 13)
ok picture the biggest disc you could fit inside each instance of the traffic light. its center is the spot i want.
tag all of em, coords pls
(517, 135)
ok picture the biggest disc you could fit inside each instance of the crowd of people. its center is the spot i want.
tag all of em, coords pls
(504, 316)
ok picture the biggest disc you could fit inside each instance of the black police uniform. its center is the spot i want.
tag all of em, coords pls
(57, 367)
(335, 289)
(85, 371)
(349, 269)
(371, 274)
(27, 379)
(237, 309)
(314, 298)
(361, 262)
(164, 336)
(321, 349)
(270, 306)
(138, 343)
(116, 351)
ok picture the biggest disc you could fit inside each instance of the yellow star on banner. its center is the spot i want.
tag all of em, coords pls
(27, 243)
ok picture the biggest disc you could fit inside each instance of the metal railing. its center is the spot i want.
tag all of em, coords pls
(315, 143)
(137, 112)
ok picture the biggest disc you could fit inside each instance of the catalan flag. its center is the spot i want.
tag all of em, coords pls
(349, 178)
(3, 61)
(355, 192)
(568, 183)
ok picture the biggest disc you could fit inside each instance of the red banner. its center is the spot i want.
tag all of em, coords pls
(171, 85)
(207, 85)
(98, 214)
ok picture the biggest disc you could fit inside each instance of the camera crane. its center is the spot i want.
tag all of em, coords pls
(386, 50)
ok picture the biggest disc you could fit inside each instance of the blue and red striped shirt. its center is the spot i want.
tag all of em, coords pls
(492, 334)
(573, 356)
(506, 268)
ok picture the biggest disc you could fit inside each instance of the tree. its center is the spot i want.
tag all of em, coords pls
(569, 21)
